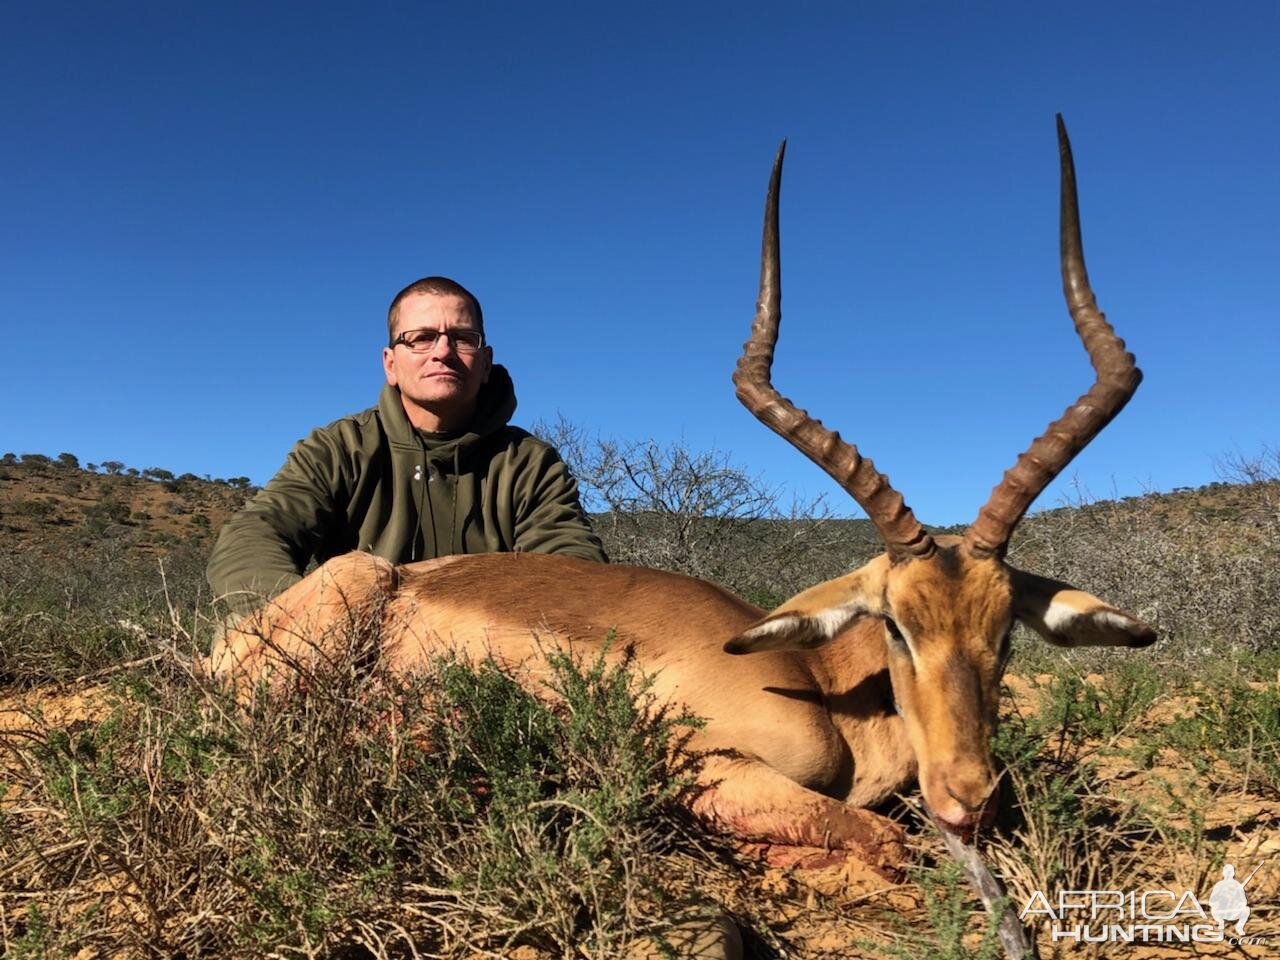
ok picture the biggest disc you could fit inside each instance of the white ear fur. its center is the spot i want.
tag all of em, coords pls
(1068, 617)
(817, 615)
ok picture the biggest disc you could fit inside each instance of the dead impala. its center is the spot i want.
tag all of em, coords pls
(831, 703)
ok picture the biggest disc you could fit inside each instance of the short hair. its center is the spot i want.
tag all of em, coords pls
(437, 285)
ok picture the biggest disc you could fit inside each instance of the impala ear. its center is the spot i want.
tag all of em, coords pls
(816, 616)
(1068, 617)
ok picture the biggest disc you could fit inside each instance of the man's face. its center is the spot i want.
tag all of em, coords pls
(439, 387)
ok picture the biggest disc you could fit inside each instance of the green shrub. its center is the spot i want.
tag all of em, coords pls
(453, 807)
(952, 927)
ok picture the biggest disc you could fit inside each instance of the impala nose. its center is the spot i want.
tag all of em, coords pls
(968, 801)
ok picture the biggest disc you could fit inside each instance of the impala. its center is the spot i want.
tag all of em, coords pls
(820, 709)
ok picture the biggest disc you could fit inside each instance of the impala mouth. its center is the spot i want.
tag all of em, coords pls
(965, 823)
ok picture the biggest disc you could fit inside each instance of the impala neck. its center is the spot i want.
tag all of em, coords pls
(852, 667)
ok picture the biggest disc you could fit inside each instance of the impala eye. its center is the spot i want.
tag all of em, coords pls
(895, 634)
(1006, 647)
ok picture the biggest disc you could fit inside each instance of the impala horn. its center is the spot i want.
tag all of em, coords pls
(1115, 382)
(903, 534)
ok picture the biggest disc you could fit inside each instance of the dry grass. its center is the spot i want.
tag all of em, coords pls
(447, 814)
(451, 814)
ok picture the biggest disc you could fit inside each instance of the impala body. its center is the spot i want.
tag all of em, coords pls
(813, 712)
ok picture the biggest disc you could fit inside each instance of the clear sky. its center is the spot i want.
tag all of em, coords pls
(207, 207)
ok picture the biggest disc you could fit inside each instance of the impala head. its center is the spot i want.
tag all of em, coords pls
(947, 604)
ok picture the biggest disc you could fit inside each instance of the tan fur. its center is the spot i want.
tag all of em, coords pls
(1069, 617)
(792, 759)
(810, 732)
(261, 645)
(952, 608)
(804, 727)
(953, 615)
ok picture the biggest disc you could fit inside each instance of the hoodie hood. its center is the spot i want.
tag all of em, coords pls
(495, 406)
(445, 490)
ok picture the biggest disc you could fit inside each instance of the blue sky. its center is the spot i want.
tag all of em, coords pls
(206, 209)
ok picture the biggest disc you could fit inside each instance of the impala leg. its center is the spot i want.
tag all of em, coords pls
(310, 624)
(750, 800)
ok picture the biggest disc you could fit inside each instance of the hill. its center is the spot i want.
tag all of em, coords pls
(142, 813)
(54, 501)
(1201, 564)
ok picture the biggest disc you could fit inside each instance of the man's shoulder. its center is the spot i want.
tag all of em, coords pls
(347, 442)
(519, 441)
(360, 421)
(353, 429)
(516, 452)
(384, 421)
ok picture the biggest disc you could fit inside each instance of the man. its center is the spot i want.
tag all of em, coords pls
(1227, 900)
(434, 469)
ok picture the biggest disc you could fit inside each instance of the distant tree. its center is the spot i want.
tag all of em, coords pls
(35, 460)
(69, 460)
(157, 473)
(91, 467)
(181, 483)
(112, 467)
(9, 459)
(240, 483)
(132, 471)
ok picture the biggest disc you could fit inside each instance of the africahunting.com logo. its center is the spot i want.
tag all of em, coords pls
(1149, 916)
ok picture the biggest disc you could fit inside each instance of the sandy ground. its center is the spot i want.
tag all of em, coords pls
(832, 911)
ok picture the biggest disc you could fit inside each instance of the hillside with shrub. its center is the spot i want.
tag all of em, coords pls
(142, 813)
(1202, 565)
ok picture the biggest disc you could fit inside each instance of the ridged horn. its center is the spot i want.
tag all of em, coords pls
(1116, 379)
(903, 534)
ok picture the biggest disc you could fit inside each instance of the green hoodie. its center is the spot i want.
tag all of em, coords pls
(371, 482)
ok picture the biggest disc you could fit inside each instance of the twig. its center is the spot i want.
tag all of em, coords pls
(1017, 946)
(115, 668)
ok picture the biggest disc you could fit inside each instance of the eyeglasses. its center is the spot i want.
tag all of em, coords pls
(424, 340)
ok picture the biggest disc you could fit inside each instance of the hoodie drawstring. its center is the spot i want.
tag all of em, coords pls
(455, 534)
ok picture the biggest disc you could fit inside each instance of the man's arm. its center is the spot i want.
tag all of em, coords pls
(264, 548)
(550, 517)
